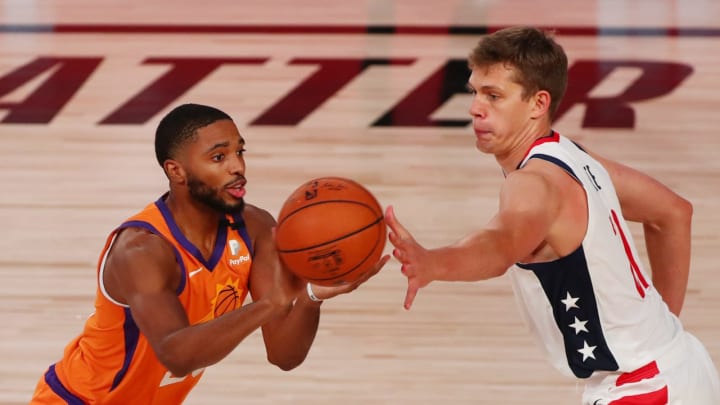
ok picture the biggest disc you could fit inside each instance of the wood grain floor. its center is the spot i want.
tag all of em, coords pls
(65, 182)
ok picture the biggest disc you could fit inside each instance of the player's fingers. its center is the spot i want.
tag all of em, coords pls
(327, 292)
(400, 242)
(401, 255)
(368, 274)
(394, 224)
(376, 269)
(408, 270)
(393, 238)
(412, 291)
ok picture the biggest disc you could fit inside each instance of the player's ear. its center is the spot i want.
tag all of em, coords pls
(541, 103)
(174, 171)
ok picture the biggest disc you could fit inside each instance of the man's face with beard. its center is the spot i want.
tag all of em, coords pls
(210, 196)
(214, 167)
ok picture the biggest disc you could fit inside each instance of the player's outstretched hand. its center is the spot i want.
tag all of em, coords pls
(414, 258)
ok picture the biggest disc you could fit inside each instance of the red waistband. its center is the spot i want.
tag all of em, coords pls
(647, 371)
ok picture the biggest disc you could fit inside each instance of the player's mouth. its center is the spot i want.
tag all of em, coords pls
(481, 133)
(237, 188)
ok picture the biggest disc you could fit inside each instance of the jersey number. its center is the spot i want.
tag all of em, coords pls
(640, 283)
(169, 378)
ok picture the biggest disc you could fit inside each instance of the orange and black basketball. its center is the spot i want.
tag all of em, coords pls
(330, 231)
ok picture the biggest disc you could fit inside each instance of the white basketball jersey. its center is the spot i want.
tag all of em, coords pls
(595, 309)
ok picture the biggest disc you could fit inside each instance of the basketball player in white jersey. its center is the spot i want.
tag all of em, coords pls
(561, 228)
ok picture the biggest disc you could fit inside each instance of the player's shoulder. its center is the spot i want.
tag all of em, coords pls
(537, 165)
(257, 214)
(557, 159)
(257, 219)
(139, 258)
(529, 177)
(539, 177)
(134, 243)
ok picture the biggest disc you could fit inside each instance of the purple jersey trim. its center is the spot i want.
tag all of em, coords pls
(220, 239)
(56, 385)
(132, 334)
(242, 230)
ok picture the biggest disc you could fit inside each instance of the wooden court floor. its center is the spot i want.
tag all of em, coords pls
(371, 90)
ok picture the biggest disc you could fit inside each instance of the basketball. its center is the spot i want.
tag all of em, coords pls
(330, 231)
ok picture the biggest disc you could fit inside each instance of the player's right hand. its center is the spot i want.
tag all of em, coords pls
(411, 255)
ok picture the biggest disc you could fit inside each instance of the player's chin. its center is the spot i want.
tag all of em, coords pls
(234, 204)
(483, 146)
(238, 206)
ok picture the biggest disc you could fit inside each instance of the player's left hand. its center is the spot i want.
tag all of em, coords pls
(327, 292)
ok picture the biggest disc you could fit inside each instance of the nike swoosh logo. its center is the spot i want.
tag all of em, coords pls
(194, 272)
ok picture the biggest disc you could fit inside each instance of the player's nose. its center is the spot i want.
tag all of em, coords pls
(237, 165)
(477, 109)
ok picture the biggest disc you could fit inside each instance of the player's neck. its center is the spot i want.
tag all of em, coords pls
(197, 222)
(510, 160)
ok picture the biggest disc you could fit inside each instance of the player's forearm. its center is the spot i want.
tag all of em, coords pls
(288, 340)
(478, 257)
(668, 249)
(207, 343)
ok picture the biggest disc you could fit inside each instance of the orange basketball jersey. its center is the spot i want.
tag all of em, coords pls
(111, 362)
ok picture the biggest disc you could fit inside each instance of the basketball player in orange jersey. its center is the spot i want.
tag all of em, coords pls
(561, 226)
(172, 280)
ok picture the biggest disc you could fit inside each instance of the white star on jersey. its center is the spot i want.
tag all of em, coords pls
(587, 351)
(579, 326)
(569, 302)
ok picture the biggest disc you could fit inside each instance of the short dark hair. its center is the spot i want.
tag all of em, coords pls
(180, 125)
(540, 62)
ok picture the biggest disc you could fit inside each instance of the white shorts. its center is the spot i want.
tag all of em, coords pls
(685, 376)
